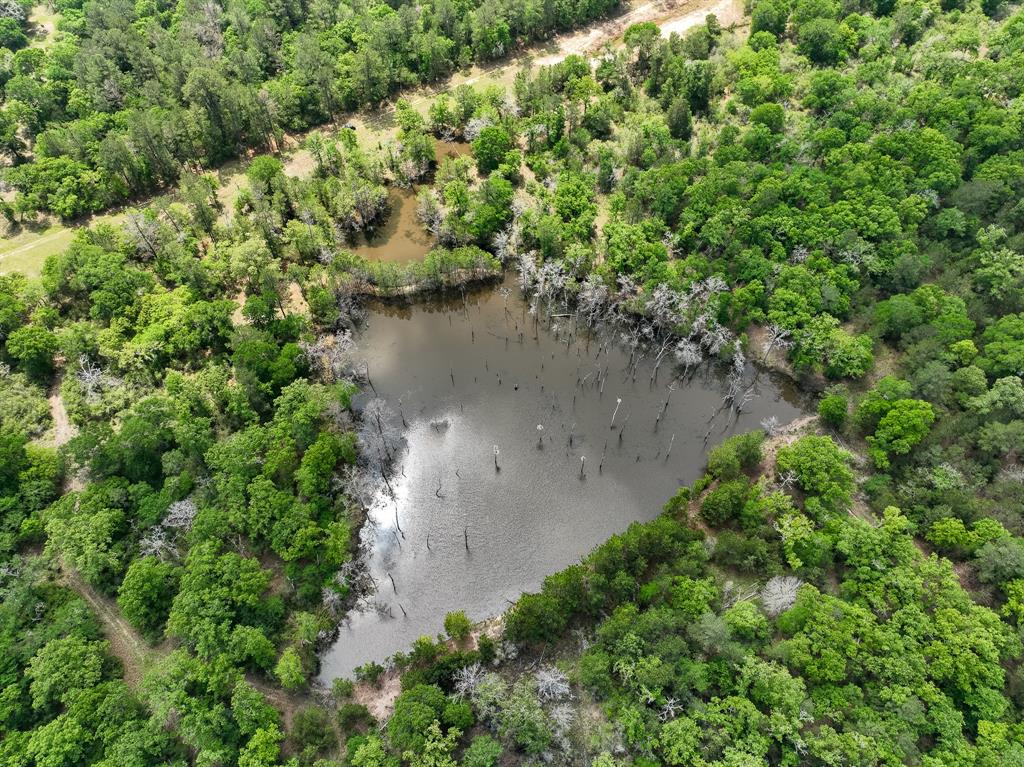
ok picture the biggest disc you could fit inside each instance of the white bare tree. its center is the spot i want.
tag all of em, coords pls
(778, 338)
(779, 594)
(467, 679)
(12, 9)
(180, 515)
(330, 356)
(474, 126)
(552, 684)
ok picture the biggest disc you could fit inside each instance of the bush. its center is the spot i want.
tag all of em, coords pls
(342, 688)
(724, 504)
(487, 648)
(833, 410)
(289, 671)
(484, 751)
(535, 617)
(749, 554)
(457, 625)
(743, 451)
(311, 732)
(353, 715)
(723, 463)
(415, 710)
(822, 471)
(370, 673)
(146, 593)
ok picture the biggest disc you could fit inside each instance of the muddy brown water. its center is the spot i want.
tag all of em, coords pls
(402, 237)
(466, 383)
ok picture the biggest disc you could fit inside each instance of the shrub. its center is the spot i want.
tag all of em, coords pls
(742, 451)
(289, 671)
(822, 471)
(535, 617)
(833, 410)
(457, 625)
(370, 673)
(353, 715)
(311, 732)
(342, 688)
(484, 751)
(487, 648)
(723, 505)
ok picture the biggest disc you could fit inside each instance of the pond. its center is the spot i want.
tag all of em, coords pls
(457, 534)
(402, 237)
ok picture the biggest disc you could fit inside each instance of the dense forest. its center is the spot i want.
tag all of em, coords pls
(835, 191)
(131, 95)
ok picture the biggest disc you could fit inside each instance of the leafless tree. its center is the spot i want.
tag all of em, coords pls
(11, 9)
(474, 126)
(669, 710)
(779, 594)
(208, 30)
(778, 338)
(787, 480)
(563, 716)
(552, 684)
(330, 356)
(92, 379)
(180, 515)
(770, 425)
(467, 679)
(145, 232)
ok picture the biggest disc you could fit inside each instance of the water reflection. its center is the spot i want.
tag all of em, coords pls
(468, 381)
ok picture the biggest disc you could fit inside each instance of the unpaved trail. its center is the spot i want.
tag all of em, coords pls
(379, 125)
(63, 430)
(670, 16)
(125, 644)
(137, 656)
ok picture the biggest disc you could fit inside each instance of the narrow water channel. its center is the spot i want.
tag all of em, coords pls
(467, 383)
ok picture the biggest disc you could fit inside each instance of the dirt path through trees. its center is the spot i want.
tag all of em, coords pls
(126, 645)
(377, 126)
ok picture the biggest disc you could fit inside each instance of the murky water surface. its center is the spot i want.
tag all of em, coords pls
(476, 373)
(401, 237)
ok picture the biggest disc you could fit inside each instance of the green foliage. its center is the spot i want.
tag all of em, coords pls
(33, 347)
(723, 505)
(416, 709)
(821, 469)
(146, 592)
(490, 148)
(904, 425)
(484, 751)
(289, 671)
(742, 451)
(457, 625)
(848, 178)
(834, 410)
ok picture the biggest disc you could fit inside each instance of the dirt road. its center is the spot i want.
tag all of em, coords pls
(30, 250)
